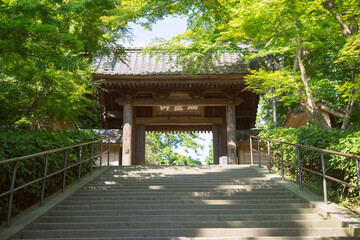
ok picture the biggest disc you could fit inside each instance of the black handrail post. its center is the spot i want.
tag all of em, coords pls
(269, 158)
(324, 178)
(299, 164)
(44, 180)
(259, 155)
(79, 172)
(92, 158)
(101, 153)
(282, 162)
(251, 152)
(11, 194)
(108, 156)
(64, 174)
(358, 173)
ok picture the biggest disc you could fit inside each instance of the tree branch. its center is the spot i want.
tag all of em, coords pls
(345, 28)
(351, 102)
(287, 34)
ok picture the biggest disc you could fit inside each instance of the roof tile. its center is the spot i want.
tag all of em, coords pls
(142, 64)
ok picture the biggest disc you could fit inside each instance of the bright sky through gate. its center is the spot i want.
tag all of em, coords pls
(168, 28)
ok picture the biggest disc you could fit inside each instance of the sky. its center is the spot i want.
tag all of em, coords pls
(168, 28)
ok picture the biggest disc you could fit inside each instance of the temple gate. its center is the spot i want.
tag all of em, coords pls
(148, 95)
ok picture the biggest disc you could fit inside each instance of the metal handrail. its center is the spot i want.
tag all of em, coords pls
(46, 175)
(301, 168)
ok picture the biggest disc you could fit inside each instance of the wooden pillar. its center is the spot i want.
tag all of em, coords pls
(216, 147)
(231, 129)
(103, 109)
(241, 153)
(133, 138)
(222, 140)
(140, 144)
(120, 154)
(127, 132)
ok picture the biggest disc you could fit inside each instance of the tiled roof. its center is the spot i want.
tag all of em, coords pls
(139, 63)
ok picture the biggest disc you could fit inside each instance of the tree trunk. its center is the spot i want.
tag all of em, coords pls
(309, 104)
(350, 104)
(348, 31)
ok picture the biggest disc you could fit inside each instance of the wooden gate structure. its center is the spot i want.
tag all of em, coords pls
(145, 94)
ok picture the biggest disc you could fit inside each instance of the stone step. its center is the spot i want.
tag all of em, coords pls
(207, 238)
(180, 187)
(190, 224)
(189, 232)
(180, 211)
(121, 197)
(86, 201)
(212, 183)
(249, 178)
(121, 206)
(189, 217)
(182, 190)
(181, 193)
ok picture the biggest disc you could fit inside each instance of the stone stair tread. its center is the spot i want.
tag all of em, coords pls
(183, 211)
(75, 201)
(189, 224)
(120, 206)
(207, 238)
(218, 217)
(189, 232)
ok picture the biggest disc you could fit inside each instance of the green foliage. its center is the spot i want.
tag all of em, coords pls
(160, 148)
(338, 167)
(47, 48)
(17, 143)
(264, 118)
(314, 58)
(209, 160)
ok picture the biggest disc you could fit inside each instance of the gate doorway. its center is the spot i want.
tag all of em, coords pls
(178, 148)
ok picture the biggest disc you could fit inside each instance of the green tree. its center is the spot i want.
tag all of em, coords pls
(314, 44)
(209, 160)
(160, 148)
(47, 48)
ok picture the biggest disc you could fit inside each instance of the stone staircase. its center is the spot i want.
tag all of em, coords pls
(182, 202)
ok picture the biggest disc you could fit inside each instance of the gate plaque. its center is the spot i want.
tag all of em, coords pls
(188, 110)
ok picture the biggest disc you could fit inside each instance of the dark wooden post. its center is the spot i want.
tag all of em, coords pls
(216, 147)
(140, 144)
(127, 132)
(231, 138)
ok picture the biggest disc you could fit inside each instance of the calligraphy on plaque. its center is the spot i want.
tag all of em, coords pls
(186, 110)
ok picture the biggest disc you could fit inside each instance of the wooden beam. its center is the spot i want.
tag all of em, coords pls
(179, 121)
(177, 128)
(243, 113)
(180, 102)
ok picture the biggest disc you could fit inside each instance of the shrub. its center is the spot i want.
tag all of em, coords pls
(342, 168)
(17, 142)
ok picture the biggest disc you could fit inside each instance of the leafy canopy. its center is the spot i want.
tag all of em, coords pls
(314, 45)
(47, 48)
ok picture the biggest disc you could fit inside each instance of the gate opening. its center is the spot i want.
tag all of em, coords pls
(179, 148)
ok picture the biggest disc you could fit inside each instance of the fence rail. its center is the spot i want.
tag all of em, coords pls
(17, 160)
(298, 165)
